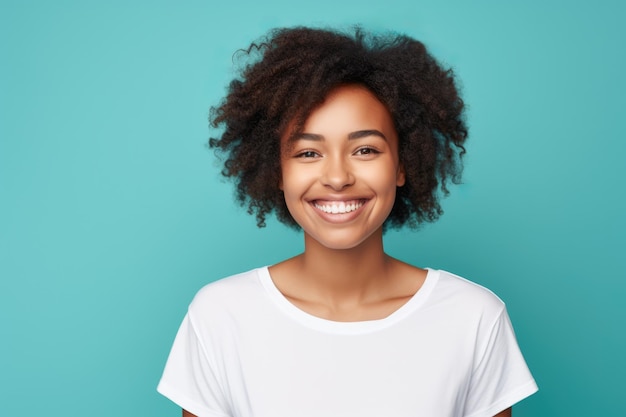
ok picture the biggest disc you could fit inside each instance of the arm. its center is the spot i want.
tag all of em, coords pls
(505, 413)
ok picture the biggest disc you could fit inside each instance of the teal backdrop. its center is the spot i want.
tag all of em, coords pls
(112, 212)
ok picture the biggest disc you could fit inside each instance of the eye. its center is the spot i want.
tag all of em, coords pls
(307, 154)
(366, 150)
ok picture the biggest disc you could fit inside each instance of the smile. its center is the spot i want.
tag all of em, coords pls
(338, 207)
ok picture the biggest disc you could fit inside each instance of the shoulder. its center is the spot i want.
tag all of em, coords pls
(465, 295)
(227, 293)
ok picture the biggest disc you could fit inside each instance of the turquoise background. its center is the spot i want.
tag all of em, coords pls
(112, 213)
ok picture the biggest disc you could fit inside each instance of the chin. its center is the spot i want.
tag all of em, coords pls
(343, 241)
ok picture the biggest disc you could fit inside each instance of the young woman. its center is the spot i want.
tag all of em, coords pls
(344, 136)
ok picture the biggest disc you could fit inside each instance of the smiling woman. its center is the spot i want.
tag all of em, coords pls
(355, 134)
(339, 176)
(303, 66)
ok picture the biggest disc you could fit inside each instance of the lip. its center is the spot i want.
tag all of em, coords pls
(339, 210)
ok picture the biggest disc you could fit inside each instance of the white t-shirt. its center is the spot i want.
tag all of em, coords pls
(243, 350)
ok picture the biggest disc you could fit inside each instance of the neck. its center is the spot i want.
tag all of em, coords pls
(345, 273)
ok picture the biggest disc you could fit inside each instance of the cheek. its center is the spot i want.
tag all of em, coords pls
(290, 182)
(384, 179)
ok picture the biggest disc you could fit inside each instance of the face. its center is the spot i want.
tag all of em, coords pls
(339, 176)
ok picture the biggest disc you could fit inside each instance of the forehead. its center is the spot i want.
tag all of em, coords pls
(346, 109)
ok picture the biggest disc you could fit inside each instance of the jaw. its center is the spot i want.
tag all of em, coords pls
(339, 243)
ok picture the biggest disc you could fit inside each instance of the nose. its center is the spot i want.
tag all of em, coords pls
(337, 173)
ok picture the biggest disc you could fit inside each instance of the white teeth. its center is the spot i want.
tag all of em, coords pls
(339, 207)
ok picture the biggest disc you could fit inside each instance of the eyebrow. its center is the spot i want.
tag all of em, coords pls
(353, 135)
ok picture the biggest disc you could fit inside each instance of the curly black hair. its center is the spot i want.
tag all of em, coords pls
(291, 73)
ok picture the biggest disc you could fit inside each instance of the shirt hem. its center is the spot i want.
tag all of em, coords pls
(186, 403)
(509, 400)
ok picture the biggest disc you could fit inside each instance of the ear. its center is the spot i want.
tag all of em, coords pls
(400, 176)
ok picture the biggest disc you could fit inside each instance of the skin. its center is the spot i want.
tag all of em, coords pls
(348, 152)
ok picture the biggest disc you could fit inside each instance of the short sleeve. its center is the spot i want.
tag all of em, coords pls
(189, 378)
(500, 377)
